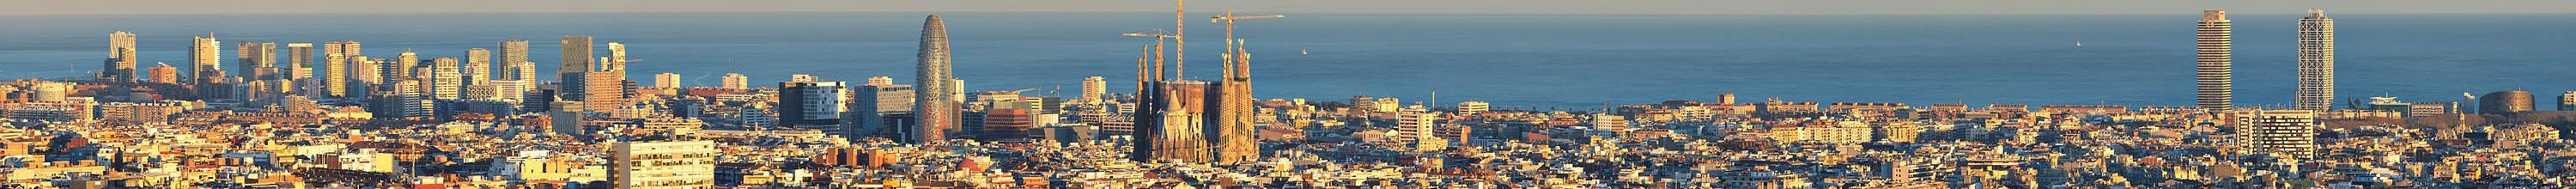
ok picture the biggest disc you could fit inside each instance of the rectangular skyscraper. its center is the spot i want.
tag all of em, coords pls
(2316, 62)
(576, 55)
(515, 54)
(936, 102)
(2217, 74)
(205, 59)
(339, 75)
(299, 61)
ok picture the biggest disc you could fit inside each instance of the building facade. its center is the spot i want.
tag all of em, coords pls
(663, 165)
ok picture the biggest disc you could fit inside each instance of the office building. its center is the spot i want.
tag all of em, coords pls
(2505, 102)
(666, 80)
(2216, 60)
(936, 104)
(663, 165)
(817, 103)
(2291, 133)
(120, 58)
(2316, 62)
(736, 81)
(514, 53)
(576, 56)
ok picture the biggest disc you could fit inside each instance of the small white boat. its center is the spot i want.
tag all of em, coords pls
(1301, 52)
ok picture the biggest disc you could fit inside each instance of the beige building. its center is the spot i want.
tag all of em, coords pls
(736, 81)
(666, 80)
(674, 164)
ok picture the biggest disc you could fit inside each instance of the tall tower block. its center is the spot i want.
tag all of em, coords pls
(2216, 66)
(2316, 61)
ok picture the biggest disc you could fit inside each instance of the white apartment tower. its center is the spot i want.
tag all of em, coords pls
(2316, 62)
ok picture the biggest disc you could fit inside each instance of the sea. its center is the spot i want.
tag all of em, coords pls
(1530, 62)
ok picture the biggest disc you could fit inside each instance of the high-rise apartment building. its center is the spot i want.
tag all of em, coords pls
(120, 58)
(736, 81)
(2216, 65)
(936, 108)
(662, 165)
(406, 65)
(445, 82)
(2316, 62)
(205, 59)
(339, 71)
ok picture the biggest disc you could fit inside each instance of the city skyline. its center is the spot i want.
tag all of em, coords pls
(1648, 7)
(1831, 102)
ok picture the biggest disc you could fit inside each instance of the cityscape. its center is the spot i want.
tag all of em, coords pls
(324, 113)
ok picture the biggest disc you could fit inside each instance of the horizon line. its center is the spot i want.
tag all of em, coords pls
(4, 15)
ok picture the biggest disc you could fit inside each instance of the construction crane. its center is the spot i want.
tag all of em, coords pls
(1233, 47)
(1159, 39)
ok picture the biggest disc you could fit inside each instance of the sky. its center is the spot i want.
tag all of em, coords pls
(1683, 7)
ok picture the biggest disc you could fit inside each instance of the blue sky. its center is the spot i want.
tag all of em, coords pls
(1762, 7)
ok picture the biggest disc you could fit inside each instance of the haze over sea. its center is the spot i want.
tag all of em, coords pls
(1516, 61)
